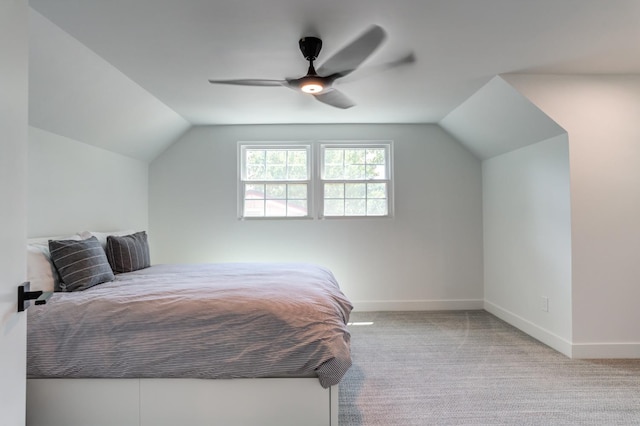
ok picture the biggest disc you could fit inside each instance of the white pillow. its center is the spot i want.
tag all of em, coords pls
(40, 270)
(102, 236)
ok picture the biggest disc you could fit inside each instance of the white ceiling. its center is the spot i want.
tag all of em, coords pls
(171, 47)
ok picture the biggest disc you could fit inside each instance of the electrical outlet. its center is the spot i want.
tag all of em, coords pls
(544, 304)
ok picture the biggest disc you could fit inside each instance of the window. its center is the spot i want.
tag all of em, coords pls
(278, 180)
(355, 179)
(275, 180)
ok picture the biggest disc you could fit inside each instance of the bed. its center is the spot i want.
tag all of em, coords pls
(246, 343)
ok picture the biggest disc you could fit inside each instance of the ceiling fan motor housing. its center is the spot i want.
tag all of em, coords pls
(310, 47)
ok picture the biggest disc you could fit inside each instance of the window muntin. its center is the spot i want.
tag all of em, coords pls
(275, 180)
(355, 179)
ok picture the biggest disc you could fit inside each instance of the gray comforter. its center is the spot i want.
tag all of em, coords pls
(196, 321)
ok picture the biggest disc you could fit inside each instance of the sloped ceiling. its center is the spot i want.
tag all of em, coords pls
(163, 51)
(75, 93)
(498, 119)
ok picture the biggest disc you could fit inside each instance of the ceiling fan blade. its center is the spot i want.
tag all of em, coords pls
(353, 54)
(250, 82)
(373, 69)
(335, 98)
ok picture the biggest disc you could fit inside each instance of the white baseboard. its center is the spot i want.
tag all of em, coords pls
(545, 336)
(606, 350)
(418, 305)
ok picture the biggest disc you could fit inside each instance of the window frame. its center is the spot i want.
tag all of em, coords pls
(322, 145)
(315, 180)
(242, 180)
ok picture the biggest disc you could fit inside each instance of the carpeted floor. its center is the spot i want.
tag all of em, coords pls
(470, 368)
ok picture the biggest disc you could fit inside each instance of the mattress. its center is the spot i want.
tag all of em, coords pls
(208, 321)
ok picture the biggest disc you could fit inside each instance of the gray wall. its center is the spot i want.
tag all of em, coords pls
(600, 114)
(526, 209)
(77, 187)
(428, 256)
(527, 240)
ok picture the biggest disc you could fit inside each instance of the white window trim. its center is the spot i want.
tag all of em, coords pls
(315, 195)
(241, 173)
(387, 144)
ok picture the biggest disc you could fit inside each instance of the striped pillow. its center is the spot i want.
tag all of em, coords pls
(128, 253)
(81, 264)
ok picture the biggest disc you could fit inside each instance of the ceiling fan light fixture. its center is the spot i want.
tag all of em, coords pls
(311, 83)
(311, 86)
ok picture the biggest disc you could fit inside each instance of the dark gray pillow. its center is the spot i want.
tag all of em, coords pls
(81, 264)
(128, 253)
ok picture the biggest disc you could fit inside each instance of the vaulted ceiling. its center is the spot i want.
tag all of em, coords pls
(131, 75)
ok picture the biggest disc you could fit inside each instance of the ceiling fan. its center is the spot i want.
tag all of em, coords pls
(320, 83)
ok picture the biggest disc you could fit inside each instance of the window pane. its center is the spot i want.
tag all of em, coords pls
(355, 172)
(276, 173)
(253, 208)
(275, 208)
(334, 207)
(376, 207)
(276, 157)
(355, 208)
(298, 157)
(255, 172)
(296, 207)
(297, 165)
(375, 156)
(381, 172)
(334, 172)
(355, 190)
(297, 191)
(254, 191)
(333, 190)
(298, 172)
(334, 156)
(354, 156)
(376, 190)
(276, 191)
(370, 171)
(255, 156)
(376, 171)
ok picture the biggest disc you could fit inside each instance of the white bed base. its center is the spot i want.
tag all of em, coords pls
(171, 402)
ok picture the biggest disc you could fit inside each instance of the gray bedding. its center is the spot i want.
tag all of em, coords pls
(196, 321)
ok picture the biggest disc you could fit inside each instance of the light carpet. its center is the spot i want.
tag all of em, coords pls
(471, 368)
